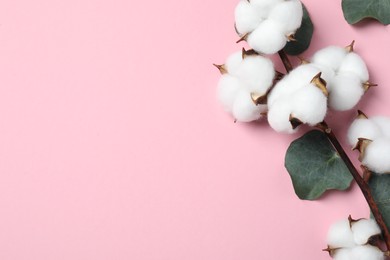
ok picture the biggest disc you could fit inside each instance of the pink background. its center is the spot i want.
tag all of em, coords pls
(112, 144)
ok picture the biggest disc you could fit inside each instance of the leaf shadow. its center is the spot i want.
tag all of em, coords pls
(369, 21)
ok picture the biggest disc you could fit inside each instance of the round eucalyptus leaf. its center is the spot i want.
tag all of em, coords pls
(303, 36)
(357, 10)
(315, 166)
(380, 189)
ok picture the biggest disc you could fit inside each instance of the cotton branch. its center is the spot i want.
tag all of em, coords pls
(286, 62)
(363, 185)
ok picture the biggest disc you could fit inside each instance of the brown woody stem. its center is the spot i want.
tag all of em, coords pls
(363, 185)
(285, 60)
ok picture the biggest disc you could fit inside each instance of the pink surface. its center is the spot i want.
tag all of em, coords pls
(112, 145)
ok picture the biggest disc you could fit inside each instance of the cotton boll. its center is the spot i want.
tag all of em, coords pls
(327, 73)
(290, 84)
(346, 91)
(233, 62)
(227, 89)
(257, 73)
(247, 17)
(331, 57)
(377, 156)
(309, 105)
(266, 3)
(295, 96)
(362, 128)
(265, 6)
(268, 38)
(353, 63)
(289, 14)
(282, 88)
(367, 253)
(383, 123)
(302, 75)
(279, 116)
(364, 229)
(244, 110)
(340, 235)
(343, 254)
(293, 81)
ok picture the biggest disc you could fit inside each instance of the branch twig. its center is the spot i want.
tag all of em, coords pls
(286, 62)
(363, 185)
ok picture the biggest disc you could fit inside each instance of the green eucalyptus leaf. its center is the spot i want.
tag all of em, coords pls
(380, 189)
(315, 166)
(303, 36)
(357, 10)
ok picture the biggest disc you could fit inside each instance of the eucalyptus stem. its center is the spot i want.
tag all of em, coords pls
(362, 182)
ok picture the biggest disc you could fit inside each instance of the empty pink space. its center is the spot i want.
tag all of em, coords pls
(113, 146)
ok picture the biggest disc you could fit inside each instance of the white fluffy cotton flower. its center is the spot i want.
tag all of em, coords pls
(340, 235)
(377, 156)
(375, 132)
(345, 91)
(241, 78)
(346, 75)
(348, 240)
(342, 254)
(267, 24)
(367, 252)
(364, 229)
(297, 97)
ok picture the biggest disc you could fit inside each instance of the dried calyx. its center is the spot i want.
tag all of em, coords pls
(320, 83)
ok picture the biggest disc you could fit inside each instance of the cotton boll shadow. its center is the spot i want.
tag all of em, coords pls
(262, 128)
(368, 100)
(339, 122)
(283, 140)
(258, 126)
(278, 64)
